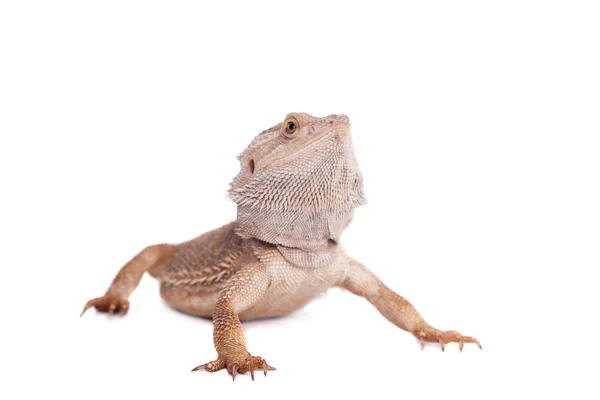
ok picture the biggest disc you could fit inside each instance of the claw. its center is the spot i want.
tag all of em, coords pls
(200, 368)
(234, 370)
(469, 339)
(442, 344)
(112, 308)
(460, 344)
(422, 343)
(252, 372)
(267, 367)
(85, 308)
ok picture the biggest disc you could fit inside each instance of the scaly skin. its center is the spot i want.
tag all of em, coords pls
(296, 192)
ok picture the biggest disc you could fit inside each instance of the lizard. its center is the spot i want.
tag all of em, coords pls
(298, 186)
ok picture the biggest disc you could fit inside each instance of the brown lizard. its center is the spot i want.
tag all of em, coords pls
(296, 192)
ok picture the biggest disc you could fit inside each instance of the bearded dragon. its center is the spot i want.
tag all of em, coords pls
(296, 192)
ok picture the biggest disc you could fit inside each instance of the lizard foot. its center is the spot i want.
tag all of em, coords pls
(107, 304)
(430, 334)
(237, 365)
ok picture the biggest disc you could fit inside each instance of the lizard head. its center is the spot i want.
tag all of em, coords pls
(299, 182)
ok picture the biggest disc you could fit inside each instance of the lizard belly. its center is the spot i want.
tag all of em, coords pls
(280, 301)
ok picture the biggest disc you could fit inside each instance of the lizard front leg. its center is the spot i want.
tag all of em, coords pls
(128, 278)
(362, 282)
(242, 291)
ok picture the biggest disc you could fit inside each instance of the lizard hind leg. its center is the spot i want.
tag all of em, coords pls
(116, 297)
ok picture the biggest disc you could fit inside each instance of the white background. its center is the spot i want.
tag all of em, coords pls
(477, 130)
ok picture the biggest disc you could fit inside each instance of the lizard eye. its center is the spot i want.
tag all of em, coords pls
(291, 127)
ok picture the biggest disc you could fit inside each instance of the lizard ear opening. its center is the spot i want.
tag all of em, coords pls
(251, 166)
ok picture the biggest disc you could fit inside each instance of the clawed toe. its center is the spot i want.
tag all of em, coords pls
(212, 366)
(202, 367)
(107, 304)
